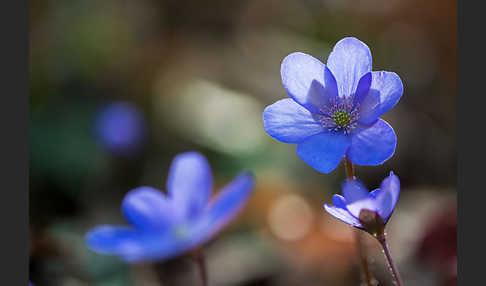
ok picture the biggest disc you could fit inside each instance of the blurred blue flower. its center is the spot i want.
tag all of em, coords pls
(120, 127)
(334, 108)
(365, 210)
(163, 226)
(31, 284)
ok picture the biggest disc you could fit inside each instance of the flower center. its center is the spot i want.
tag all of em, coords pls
(180, 231)
(341, 118)
(340, 114)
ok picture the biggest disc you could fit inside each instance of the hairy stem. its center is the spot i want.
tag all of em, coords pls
(393, 269)
(358, 238)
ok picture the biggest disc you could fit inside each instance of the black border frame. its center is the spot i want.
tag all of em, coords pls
(471, 144)
(14, 127)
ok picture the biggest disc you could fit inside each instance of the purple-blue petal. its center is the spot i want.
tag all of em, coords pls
(372, 145)
(339, 201)
(289, 122)
(189, 183)
(374, 193)
(385, 91)
(159, 246)
(148, 208)
(356, 207)
(342, 215)
(136, 246)
(299, 71)
(349, 61)
(363, 89)
(224, 207)
(324, 151)
(388, 197)
(319, 97)
(113, 240)
(354, 190)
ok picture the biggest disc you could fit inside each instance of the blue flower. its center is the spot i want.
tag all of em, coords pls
(163, 226)
(333, 110)
(120, 127)
(365, 210)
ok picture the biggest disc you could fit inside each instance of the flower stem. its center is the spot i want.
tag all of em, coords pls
(349, 169)
(199, 259)
(359, 241)
(393, 269)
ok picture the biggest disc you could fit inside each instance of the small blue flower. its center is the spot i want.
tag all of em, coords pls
(163, 226)
(120, 127)
(333, 110)
(365, 210)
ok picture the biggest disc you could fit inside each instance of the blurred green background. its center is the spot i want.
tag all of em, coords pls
(196, 75)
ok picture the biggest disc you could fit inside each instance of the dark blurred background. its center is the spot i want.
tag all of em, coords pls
(117, 88)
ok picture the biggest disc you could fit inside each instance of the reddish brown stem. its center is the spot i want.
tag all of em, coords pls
(391, 264)
(349, 169)
(198, 257)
